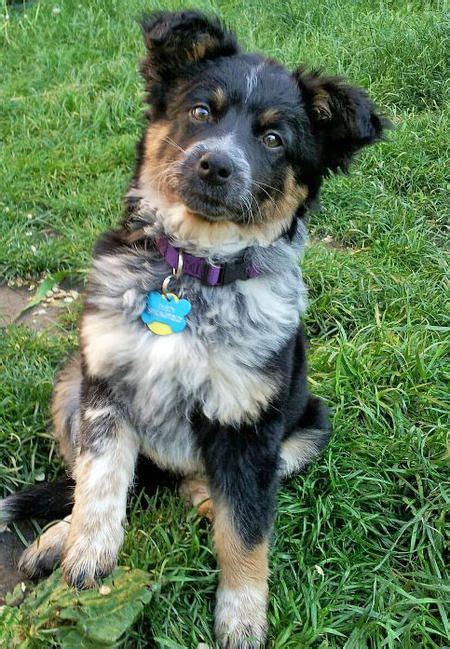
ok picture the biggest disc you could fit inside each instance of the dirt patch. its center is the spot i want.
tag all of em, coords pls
(11, 547)
(44, 315)
(332, 243)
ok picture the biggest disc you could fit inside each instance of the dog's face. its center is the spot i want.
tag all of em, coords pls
(236, 137)
(233, 139)
(239, 125)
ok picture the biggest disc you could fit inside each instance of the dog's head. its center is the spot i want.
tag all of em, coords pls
(236, 138)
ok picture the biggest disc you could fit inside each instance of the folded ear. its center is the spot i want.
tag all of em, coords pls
(343, 117)
(175, 40)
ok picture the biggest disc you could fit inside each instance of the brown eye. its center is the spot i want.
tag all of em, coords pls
(201, 113)
(272, 140)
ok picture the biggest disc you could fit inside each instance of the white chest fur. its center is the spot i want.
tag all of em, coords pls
(219, 363)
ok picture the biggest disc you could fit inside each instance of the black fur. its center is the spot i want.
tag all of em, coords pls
(242, 462)
(242, 466)
(46, 501)
(172, 38)
(342, 116)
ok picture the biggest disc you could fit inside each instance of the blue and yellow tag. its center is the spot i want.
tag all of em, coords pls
(165, 314)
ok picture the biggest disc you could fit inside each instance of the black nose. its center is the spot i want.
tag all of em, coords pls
(215, 168)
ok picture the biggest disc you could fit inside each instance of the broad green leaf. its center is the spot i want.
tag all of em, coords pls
(11, 626)
(56, 615)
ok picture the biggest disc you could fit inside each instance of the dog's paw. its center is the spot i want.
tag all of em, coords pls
(43, 555)
(195, 492)
(206, 509)
(85, 563)
(35, 562)
(240, 618)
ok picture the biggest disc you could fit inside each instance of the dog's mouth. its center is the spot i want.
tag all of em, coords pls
(214, 203)
(211, 208)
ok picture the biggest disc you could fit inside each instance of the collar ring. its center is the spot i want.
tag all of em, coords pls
(177, 272)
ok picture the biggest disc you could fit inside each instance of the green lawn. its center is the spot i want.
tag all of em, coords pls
(357, 557)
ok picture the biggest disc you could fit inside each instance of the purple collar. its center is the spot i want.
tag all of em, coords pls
(208, 274)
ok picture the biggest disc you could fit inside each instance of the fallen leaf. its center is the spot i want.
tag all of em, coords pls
(55, 615)
(320, 571)
(44, 289)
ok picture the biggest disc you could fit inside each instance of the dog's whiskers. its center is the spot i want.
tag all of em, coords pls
(169, 173)
(173, 143)
(260, 184)
(252, 197)
(264, 190)
(277, 208)
(245, 203)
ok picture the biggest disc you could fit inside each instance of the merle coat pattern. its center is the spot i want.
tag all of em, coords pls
(233, 156)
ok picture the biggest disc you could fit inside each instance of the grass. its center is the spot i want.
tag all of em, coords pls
(357, 557)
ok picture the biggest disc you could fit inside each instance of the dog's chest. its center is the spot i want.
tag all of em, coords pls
(219, 363)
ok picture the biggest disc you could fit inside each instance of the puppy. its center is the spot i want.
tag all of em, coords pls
(191, 349)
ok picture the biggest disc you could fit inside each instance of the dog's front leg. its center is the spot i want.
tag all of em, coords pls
(103, 471)
(241, 463)
(241, 599)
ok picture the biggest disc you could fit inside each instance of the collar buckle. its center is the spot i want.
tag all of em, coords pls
(233, 271)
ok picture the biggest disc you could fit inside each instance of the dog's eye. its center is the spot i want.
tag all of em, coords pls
(201, 113)
(272, 140)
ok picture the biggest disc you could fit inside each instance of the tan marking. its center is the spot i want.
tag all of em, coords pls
(154, 137)
(274, 219)
(136, 235)
(284, 203)
(42, 555)
(184, 225)
(198, 52)
(268, 117)
(196, 492)
(65, 402)
(96, 529)
(206, 43)
(321, 104)
(219, 98)
(239, 566)
(187, 226)
(158, 155)
(242, 594)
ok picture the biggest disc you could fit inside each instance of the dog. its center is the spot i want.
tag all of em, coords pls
(192, 352)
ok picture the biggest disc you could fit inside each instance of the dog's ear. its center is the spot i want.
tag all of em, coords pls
(343, 117)
(175, 40)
